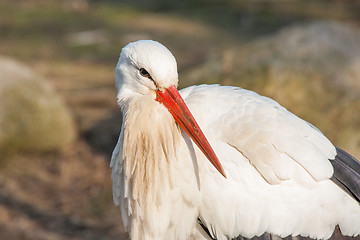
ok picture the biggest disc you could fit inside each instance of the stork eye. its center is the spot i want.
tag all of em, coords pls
(144, 73)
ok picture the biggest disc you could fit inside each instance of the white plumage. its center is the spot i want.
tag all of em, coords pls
(277, 166)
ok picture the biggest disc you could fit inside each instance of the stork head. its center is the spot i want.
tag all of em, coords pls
(147, 68)
(144, 67)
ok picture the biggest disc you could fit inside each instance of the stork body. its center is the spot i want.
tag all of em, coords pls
(279, 169)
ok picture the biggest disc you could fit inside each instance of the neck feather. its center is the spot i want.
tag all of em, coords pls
(150, 138)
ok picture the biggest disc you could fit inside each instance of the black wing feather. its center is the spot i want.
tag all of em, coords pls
(267, 236)
(347, 173)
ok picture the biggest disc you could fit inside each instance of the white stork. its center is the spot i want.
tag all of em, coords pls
(269, 172)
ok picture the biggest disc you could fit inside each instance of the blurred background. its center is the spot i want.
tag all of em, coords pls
(58, 115)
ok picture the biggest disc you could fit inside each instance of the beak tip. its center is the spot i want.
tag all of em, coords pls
(222, 172)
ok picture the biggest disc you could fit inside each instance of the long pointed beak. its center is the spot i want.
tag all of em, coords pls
(172, 100)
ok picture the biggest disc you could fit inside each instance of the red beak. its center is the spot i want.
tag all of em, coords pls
(172, 100)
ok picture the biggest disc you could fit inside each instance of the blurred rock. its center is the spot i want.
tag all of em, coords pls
(312, 69)
(32, 116)
(330, 49)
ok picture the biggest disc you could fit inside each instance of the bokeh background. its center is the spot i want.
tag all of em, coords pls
(58, 115)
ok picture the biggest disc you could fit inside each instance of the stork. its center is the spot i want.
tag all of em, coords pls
(218, 162)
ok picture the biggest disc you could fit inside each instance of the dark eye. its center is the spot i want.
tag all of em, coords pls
(144, 73)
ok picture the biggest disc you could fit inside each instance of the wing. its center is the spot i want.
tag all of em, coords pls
(280, 145)
(277, 165)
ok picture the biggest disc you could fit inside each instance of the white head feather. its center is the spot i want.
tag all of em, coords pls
(156, 59)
